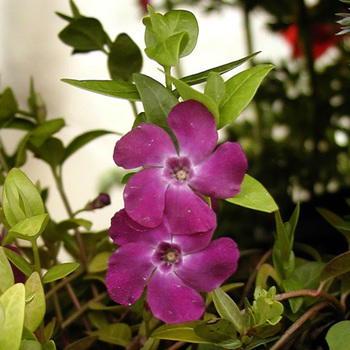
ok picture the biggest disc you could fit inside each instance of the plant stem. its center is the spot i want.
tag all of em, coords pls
(37, 264)
(167, 70)
(28, 114)
(176, 345)
(298, 323)
(314, 294)
(134, 108)
(82, 309)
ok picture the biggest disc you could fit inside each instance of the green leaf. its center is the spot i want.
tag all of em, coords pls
(228, 309)
(116, 333)
(290, 285)
(30, 345)
(113, 88)
(266, 271)
(181, 332)
(17, 260)
(51, 151)
(124, 59)
(19, 124)
(215, 87)
(338, 336)
(99, 263)
(253, 195)
(84, 34)
(73, 223)
(201, 77)
(13, 301)
(336, 267)
(74, 9)
(36, 308)
(83, 343)
(59, 271)
(50, 345)
(21, 199)
(30, 228)
(188, 93)
(8, 104)
(2, 316)
(7, 279)
(240, 90)
(216, 330)
(43, 131)
(157, 100)
(82, 140)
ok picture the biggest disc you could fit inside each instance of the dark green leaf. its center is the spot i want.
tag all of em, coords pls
(82, 140)
(83, 343)
(157, 100)
(113, 88)
(74, 9)
(338, 336)
(19, 124)
(84, 34)
(36, 104)
(290, 285)
(240, 90)
(8, 104)
(116, 333)
(51, 151)
(73, 223)
(253, 195)
(21, 263)
(216, 330)
(124, 59)
(59, 271)
(43, 131)
(202, 76)
(336, 267)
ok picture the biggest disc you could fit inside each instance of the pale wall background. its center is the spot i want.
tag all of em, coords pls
(30, 47)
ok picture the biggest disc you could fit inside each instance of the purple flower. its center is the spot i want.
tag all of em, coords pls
(174, 267)
(173, 182)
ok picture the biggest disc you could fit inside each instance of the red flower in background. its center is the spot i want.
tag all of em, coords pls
(322, 37)
(144, 4)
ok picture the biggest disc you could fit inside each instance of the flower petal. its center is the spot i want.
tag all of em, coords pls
(144, 196)
(124, 230)
(171, 301)
(129, 268)
(207, 269)
(193, 243)
(186, 212)
(221, 175)
(195, 129)
(146, 145)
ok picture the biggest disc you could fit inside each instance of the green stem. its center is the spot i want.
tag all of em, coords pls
(37, 264)
(28, 114)
(134, 108)
(167, 71)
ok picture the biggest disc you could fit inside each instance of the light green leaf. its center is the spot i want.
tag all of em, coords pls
(338, 336)
(112, 88)
(188, 93)
(266, 271)
(253, 195)
(30, 345)
(7, 279)
(30, 228)
(36, 308)
(151, 344)
(13, 301)
(336, 267)
(21, 199)
(50, 345)
(2, 316)
(99, 263)
(59, 271)
(240, 90)
(228, 309)
(17, 260)
(215, 87)
(181, 332)
(83, 343)
(157, 100)
(116, 333)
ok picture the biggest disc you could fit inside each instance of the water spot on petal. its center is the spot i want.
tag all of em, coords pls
(189, 210)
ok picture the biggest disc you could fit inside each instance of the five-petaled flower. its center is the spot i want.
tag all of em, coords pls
(174, 267)
(173, 182)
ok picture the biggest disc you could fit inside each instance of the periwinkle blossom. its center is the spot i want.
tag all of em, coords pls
(174, 182)
(174, 267)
